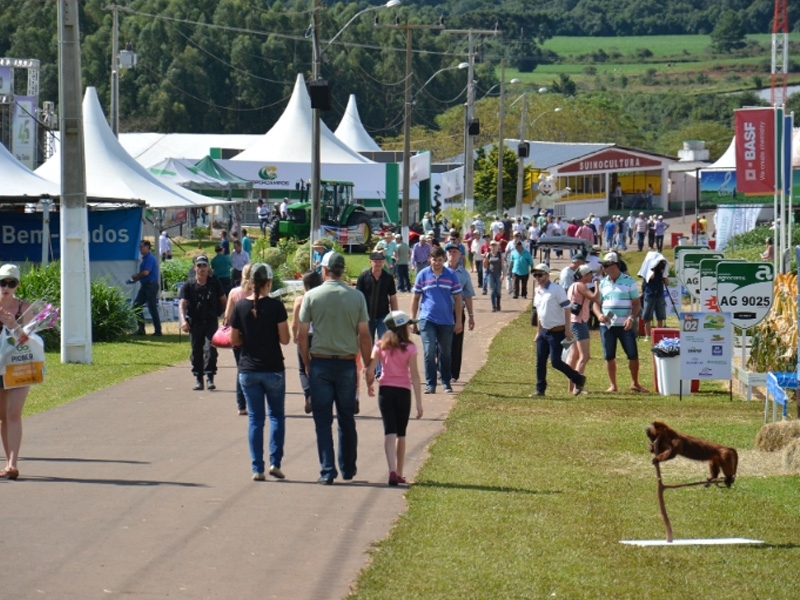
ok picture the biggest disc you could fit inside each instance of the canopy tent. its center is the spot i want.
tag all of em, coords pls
(112, 175)
(19, 183)
(290, 139)
(351, 131)
(174, 171)
(211, 168)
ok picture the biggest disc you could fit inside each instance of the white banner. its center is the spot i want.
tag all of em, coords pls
(733, 220)
(706, 345)
(452, 183)
(23, 142)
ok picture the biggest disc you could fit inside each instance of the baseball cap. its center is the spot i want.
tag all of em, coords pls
(9, 272)
(377, 256)
(541, 268)
(333, 261)
(579, 256)
(201, 259)
(611, 257)
(397, 318)
(582, 271)
(452, 246)
(260, 272)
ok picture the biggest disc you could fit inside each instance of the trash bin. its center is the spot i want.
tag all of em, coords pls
(656, 335)
(668, 376)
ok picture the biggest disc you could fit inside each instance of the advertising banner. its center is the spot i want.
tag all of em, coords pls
(733, 220)
(690, 270)
(23, 140)
(113, 235)
(346, 236)
(755, 150)
(745, 289)
(706, 345)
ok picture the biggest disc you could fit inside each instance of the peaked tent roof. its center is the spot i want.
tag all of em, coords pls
(172, 170)
(351, 131)
(18, 182)
(290, 138)
(151, 148)
(212, 168)
(112, 175)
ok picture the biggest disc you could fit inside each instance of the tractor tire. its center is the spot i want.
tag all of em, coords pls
(356, 219)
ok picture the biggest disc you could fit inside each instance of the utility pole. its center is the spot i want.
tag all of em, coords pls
(316, 132)
(76, 301)
(114, 117)
(501, 145)
(405, 212)
(472, 125)
(523, 149)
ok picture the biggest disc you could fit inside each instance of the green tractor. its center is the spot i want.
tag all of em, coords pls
(338, 208)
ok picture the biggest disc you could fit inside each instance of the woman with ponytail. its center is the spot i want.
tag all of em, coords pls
(260, 325)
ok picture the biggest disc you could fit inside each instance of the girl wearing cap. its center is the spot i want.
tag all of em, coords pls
(260, 325)
(12, 314)
(397, 356)
(579, 294)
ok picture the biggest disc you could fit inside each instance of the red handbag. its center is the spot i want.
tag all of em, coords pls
(222, 337)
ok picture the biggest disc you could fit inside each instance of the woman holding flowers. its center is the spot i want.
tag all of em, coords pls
(12, 315)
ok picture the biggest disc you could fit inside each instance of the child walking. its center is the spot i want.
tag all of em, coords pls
(398, 359)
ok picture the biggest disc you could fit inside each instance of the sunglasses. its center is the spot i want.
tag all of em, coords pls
(537, 275)
(10, 283)
(610, 264)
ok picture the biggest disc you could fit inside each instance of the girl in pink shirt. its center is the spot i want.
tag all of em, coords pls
(398, 359)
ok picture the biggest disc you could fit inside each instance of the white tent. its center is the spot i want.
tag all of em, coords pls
(151, 148)
(175, 172)
(111, 174)
(290, 140)
(18, 182)
(351, 131)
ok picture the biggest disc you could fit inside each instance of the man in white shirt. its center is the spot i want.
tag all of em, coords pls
(239, 258)
(165, 246)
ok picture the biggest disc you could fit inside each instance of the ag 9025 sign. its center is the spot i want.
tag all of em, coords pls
(745, 290)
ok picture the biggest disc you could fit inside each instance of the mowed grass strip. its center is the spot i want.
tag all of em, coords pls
(529, 498)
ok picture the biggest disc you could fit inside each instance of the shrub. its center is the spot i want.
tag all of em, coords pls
(175, 271)
(112, 315)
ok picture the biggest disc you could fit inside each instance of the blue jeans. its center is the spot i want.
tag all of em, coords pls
(333, 382)
(256, 387)
(437, 343)
(377, 326)
(495, 286)
(148, 294)
(403, 282)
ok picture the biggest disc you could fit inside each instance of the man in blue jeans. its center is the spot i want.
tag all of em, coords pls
(380, 293)
(341, 331)
(438, 308)
(148, 292)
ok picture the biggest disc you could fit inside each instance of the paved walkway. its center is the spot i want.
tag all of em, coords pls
(144, 490)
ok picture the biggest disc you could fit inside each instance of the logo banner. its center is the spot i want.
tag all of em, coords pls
(23, 142)
(755, 150)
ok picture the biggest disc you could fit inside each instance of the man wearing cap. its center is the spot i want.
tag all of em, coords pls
(341, 332)
(421, 253)
(437, 305)
(552, 309)
(202, 301)
(148, 289)
(661, 227)
(610, 230)
(377, 285)
(318, 250)
(387, 247)
(617, 312)
(165, 246)
(402, 256)
(567, 277)
(480, 226)
(630, 227)
(467, 293)
(520, 262)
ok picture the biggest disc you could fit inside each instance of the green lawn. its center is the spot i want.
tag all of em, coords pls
(524, 498)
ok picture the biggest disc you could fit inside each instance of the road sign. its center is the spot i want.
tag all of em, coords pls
(745, 289)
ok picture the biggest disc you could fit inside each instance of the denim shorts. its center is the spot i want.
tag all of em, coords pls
(657, 305)
(610, 335)
(580, 330)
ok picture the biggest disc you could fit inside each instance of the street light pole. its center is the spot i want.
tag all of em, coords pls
(316, 131)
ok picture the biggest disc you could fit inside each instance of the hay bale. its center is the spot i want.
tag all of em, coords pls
(791, 456)
(775, 436)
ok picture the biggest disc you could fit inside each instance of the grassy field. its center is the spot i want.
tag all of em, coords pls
(524, 498)
(662, 46)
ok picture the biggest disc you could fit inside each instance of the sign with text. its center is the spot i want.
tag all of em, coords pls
(690, 270)
(745, 289)
(755, 150)
(113, 235)
(706, 345)
(708, 283)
